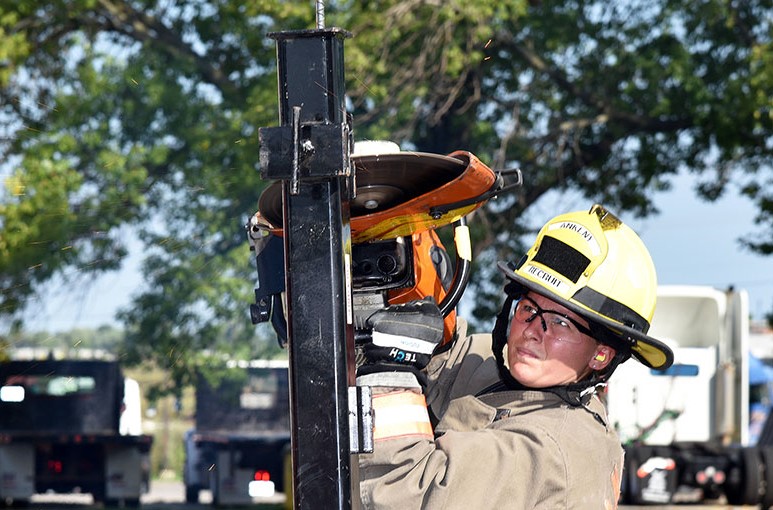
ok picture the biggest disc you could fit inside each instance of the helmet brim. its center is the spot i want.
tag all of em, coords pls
(649, 351)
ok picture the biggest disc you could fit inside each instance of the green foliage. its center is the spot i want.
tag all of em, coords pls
(145, 115)
(166, 418)
(167, 457)
(76, 343)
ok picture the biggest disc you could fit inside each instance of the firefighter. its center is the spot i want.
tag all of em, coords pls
(513, 419)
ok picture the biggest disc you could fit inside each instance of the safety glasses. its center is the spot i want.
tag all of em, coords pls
(554, 323)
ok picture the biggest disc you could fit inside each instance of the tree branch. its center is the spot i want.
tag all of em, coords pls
(142, 27)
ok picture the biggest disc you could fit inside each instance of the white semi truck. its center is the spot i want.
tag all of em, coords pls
(71, 426)
(686, 430)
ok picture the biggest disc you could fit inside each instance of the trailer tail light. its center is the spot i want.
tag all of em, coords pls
(261, 485)
(55, 466)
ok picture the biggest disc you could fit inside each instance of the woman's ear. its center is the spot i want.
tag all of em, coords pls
(602, 357)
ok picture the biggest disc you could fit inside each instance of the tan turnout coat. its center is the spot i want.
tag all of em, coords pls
(506, 450)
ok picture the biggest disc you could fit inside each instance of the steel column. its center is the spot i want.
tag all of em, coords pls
(310, 153)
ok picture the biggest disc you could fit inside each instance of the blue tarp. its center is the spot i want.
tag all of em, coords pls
(759, 372)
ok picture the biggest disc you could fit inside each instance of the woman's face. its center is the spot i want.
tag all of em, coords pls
(549, 345)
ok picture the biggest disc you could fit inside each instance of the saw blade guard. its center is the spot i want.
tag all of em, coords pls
(401, 198)
(401, 193)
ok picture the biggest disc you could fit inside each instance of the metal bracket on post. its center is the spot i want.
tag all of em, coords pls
(360, 419)
(306, 150)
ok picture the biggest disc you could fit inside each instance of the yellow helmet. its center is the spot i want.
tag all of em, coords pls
(595, 265)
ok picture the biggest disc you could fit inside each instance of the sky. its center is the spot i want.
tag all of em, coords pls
(698, 243)
(691, 242)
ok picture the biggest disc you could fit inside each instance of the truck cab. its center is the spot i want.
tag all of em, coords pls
(685, 430)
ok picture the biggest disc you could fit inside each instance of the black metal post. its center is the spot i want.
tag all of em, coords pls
(310, 153)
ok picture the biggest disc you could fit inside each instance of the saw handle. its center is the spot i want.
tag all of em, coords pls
(463, 267)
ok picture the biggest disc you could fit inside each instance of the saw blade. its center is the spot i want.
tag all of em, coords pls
(383, 181)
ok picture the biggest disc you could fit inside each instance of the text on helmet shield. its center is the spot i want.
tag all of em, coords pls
(584, 233)
(547, 278)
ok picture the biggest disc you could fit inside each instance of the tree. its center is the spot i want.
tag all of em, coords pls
(145, 114)
(609, 98)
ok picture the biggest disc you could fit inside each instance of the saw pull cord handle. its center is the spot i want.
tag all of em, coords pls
(463, 267)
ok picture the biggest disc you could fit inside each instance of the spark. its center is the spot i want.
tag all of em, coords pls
(44, 105)
(485, 47)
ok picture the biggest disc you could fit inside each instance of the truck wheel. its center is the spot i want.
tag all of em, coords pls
(625, 479)
(214, 487)
(633, 459)
(98, 495)
(744, 487)
(191, 494)
(767, 465)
